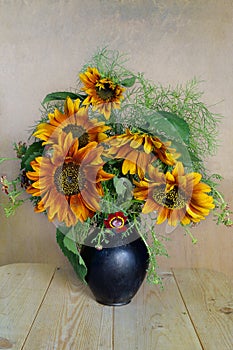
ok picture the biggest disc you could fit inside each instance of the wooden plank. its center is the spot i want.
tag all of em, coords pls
(155, 319)
(22, 289)
(70, 318)
(208, 296)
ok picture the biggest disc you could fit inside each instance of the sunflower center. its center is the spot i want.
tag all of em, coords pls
(68, 179)
(173, 199)
(77, 132)
(117, 222)
(105, 92)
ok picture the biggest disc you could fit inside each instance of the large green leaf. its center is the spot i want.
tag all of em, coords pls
(169, 125)
(70, 244)
(67, 246)
(62, 95)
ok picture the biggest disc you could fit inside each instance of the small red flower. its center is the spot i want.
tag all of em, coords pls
(116, 221)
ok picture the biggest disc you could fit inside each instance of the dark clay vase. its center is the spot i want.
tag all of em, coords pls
(115, 274)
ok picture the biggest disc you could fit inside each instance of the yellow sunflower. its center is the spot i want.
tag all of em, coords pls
(139, 150)
(176, 196)
(75, 120)
(103, 94)
(69, 182)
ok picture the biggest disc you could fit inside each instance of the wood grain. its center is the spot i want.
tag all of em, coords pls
(155, 319)
(70, 318)
(22, 289)
(43, 308)
(208, 296)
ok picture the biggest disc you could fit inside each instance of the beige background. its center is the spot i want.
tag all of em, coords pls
(42, 46)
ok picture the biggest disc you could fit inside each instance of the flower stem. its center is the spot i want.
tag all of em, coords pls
(5, 158)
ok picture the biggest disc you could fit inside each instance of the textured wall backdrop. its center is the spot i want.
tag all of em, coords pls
(44, 43)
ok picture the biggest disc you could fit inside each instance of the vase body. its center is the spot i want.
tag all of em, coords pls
(115, 274)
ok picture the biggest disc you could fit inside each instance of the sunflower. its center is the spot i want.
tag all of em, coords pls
(68, 182)
(139, 150)
(103, 94)
(176, 196)
(75, 120)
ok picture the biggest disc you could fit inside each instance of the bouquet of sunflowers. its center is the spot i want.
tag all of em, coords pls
(119, 153)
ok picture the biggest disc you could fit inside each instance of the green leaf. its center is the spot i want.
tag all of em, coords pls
(61, 95)
(34, 150)
(193, 162)
(70, 244)
(128, 82)
(74, 258)
(170, 125)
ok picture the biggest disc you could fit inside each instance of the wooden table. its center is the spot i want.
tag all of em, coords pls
(45, 308)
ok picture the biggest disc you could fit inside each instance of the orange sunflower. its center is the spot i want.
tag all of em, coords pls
(75, 120)
(139, 150)
(103, 94)
(69, 182)
(176, 196)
